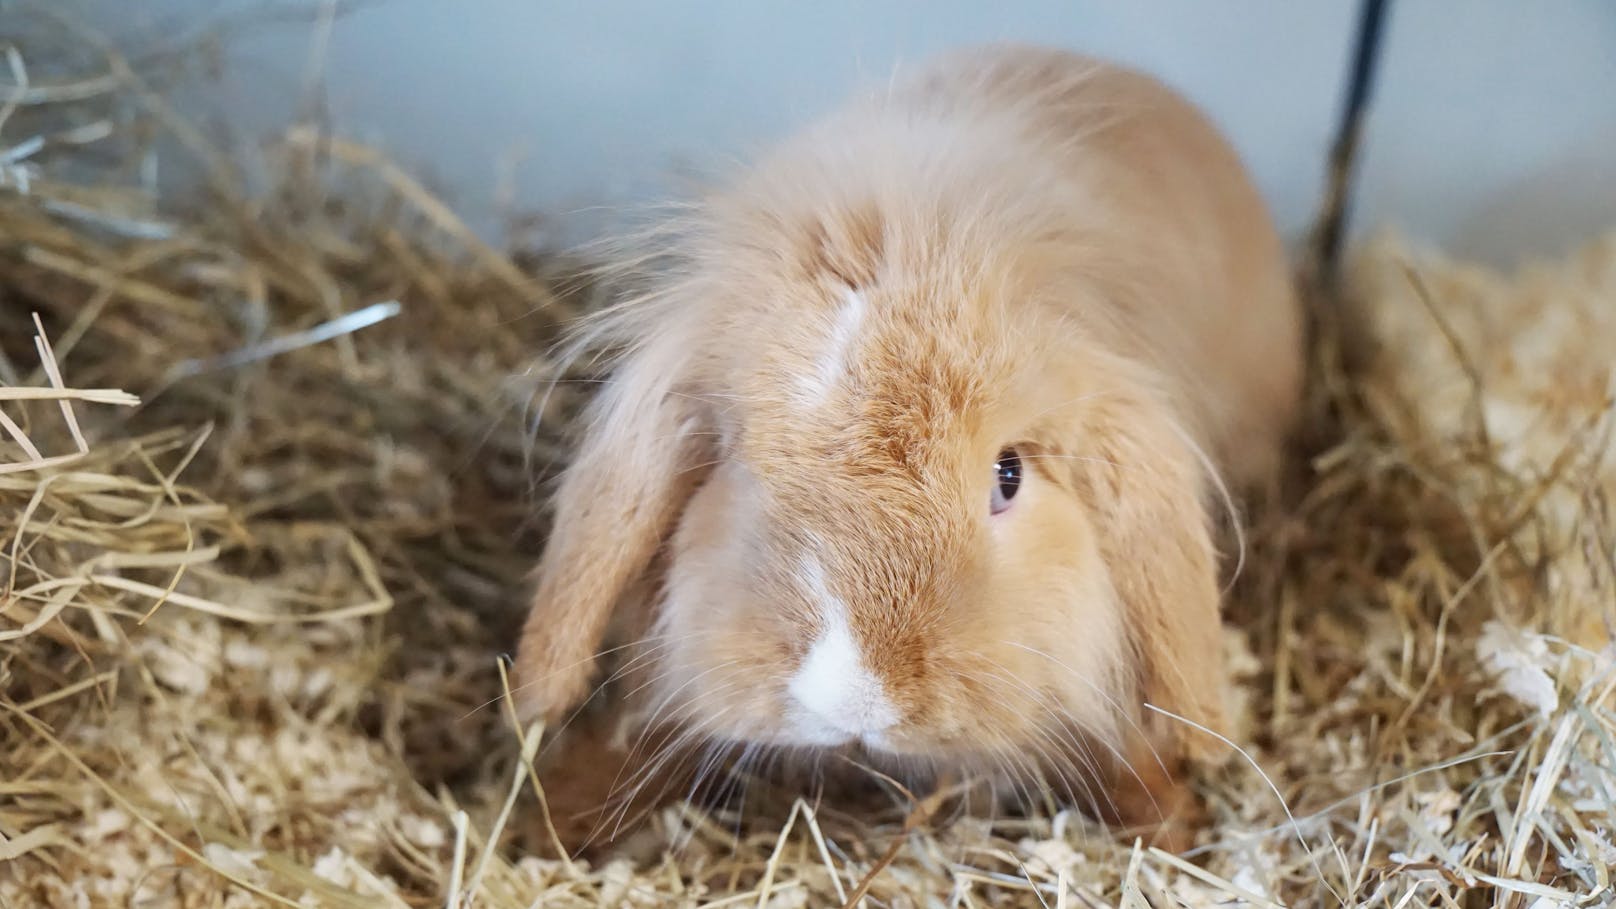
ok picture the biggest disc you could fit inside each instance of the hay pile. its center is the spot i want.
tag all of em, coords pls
(250, 625)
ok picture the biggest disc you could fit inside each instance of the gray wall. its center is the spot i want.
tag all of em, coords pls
(1492, 133)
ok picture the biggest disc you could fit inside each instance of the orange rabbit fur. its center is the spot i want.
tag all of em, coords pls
(917, 445)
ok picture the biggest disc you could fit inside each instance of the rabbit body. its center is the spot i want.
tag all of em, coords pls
(914, 443)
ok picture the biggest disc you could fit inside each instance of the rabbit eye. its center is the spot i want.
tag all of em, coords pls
(1006, 479)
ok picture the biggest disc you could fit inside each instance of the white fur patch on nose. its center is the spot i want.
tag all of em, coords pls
(833, 686)
(832, 362)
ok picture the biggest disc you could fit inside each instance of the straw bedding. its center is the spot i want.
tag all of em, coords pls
(250, 622)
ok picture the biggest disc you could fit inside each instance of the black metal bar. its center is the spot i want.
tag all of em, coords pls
(1344, 151)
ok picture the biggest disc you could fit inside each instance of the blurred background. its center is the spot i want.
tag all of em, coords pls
(1492, 131)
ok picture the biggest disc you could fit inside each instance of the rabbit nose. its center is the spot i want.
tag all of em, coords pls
(835, 689)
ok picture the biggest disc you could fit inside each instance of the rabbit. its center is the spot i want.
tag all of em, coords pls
(915, 444)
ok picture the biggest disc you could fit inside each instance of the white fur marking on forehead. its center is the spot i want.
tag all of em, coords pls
(832, 363)
(835, 691)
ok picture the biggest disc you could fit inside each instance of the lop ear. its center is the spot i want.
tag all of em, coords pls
(616, 503)
(1148, 494)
